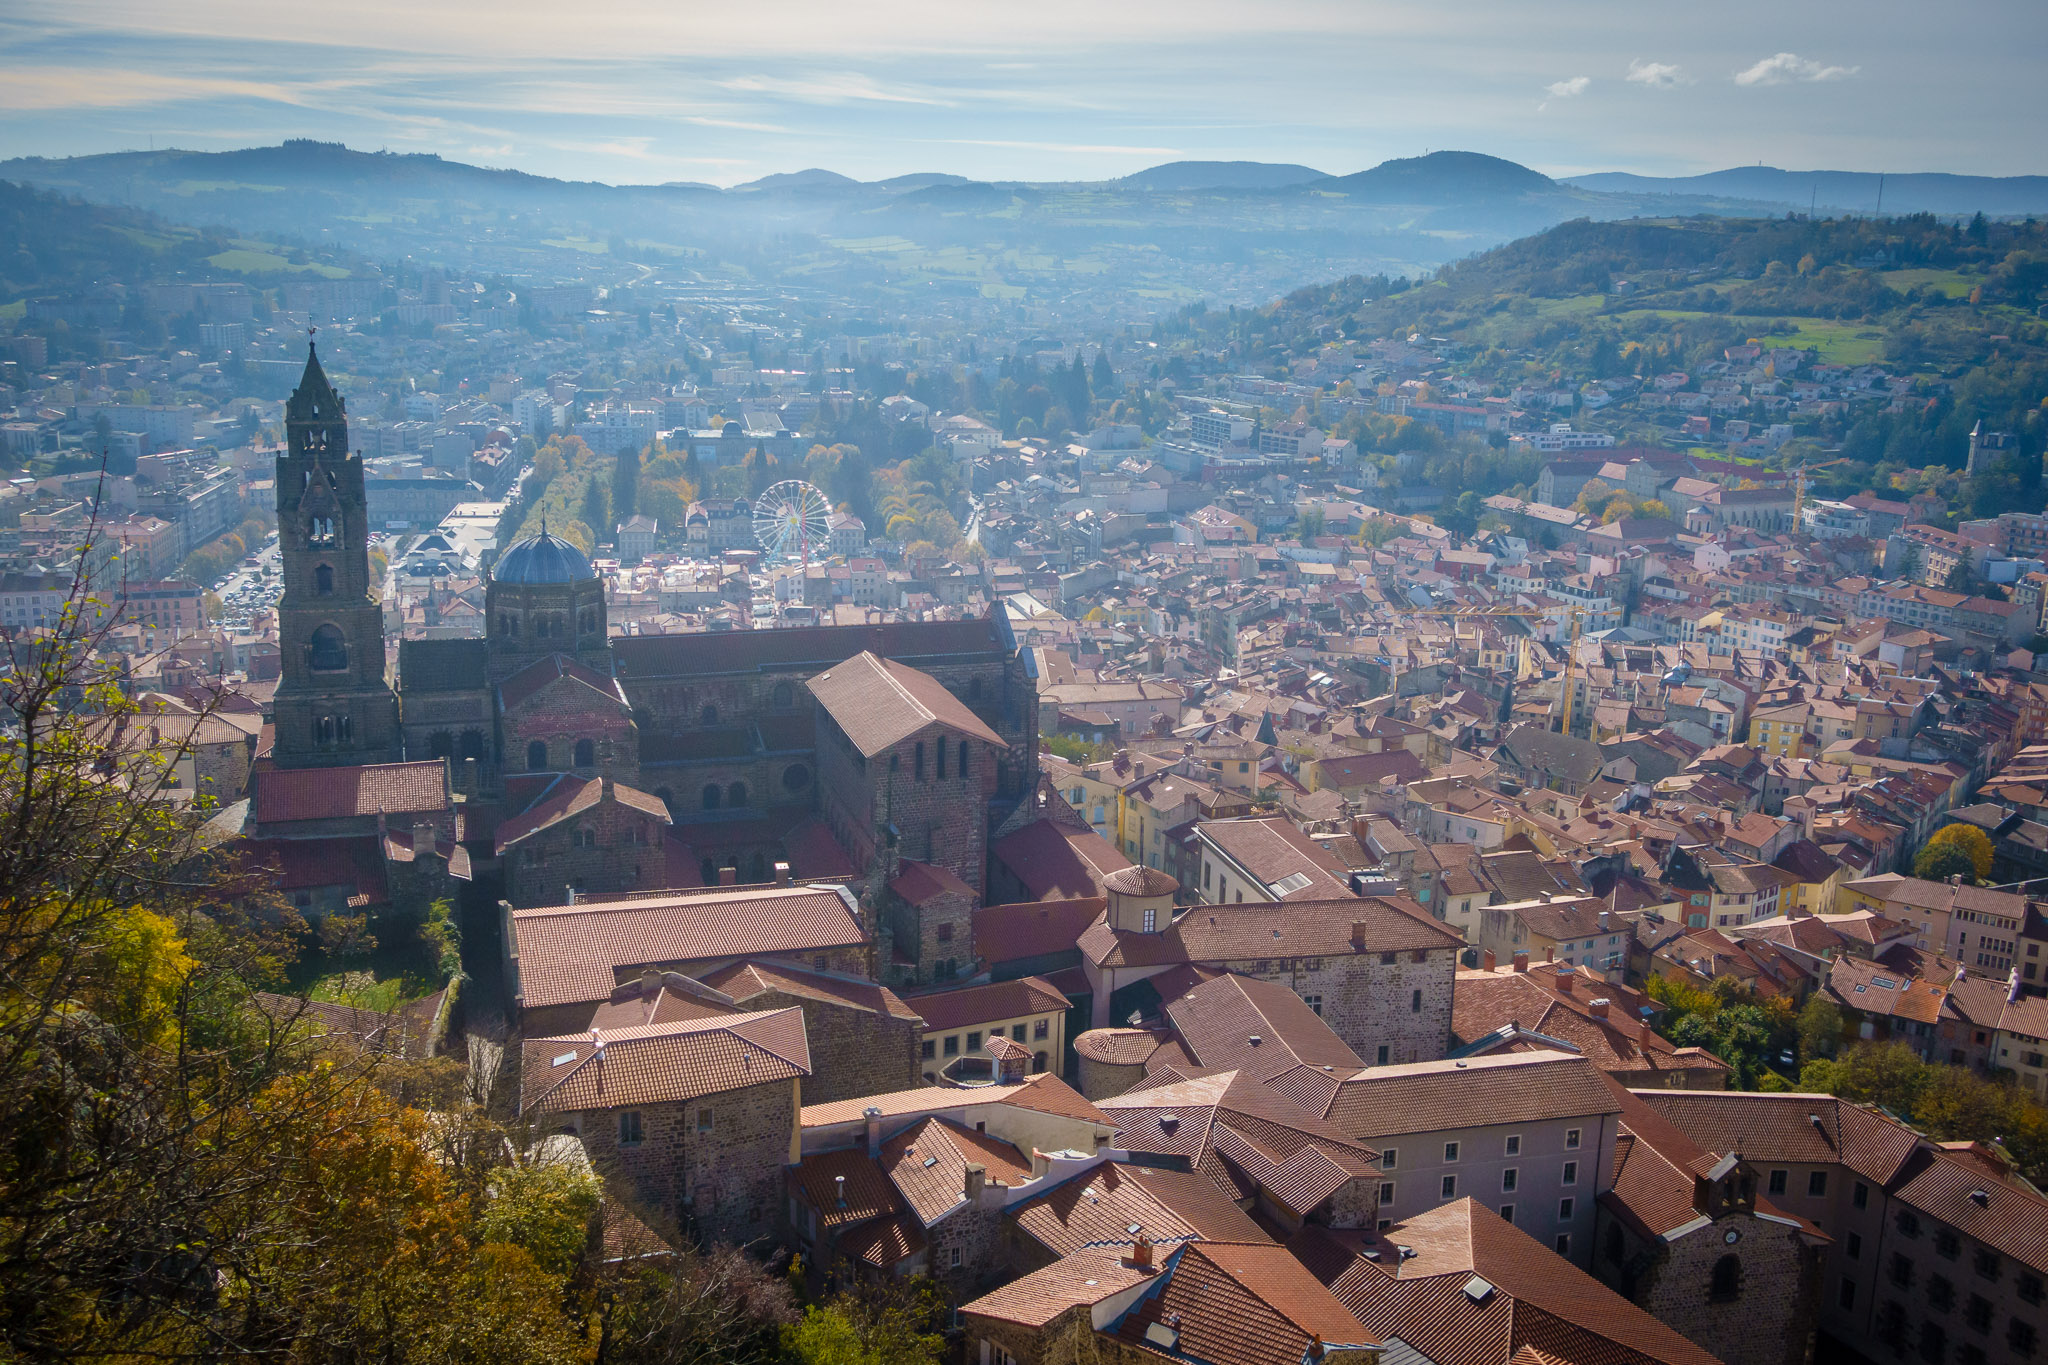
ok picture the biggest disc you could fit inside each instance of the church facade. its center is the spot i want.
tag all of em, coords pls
(608, 765)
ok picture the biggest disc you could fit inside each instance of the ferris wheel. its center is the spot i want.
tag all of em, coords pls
(790, 521)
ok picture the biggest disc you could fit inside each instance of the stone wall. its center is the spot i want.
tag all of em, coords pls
(621, 852)
(1371, 1003)
(1770, 1318)
(724, 1183)
(853, 1051)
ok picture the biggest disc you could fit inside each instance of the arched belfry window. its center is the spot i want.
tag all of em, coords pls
(320, 530)
(323, 580)
(328, 650)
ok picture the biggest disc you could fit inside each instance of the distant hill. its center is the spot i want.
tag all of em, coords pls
(1222, 175)
(1440, 176)
(919, 180)
(801, 180)
(1854, 191)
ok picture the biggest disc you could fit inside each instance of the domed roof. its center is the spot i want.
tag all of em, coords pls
(543, 559)
(1137, 880)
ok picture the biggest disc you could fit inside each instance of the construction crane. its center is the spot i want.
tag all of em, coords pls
(1576, 614)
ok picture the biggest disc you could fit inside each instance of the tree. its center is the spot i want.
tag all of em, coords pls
(1939, 862)
(1310, 525)
(1960, 578)
(626, 484)
(1820, 1028)
(545, 1209)
(1972, 841)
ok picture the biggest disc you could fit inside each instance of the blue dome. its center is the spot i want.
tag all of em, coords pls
(543, 559)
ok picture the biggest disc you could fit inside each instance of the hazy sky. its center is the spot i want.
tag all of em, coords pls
(653, 90)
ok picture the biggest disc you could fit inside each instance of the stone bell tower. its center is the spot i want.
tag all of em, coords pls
(334, 706)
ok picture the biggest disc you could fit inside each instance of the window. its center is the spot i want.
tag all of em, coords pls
(1853, 1246)
(1314, 1002)
(1947, 1244)
(917, 763)
(1989, 1264)
(1507, 1180)
(323, 580)
(954, 1259)
(1816, 1184)
(537, 756)
(704, 1119)
(1386, 1192)
(1941, 1293)
(1151, 921)
(1450, 1151)
(939, 761)
(927, 1049)
(963, 759)
(1040, 1029)
(328, 650)
(712, 796)
(1845, 1297)
(1415, 1002)
(1565, 1208)
(629, 1128)
(1389, 1159)
(944, 933)
(2030, 1289)
(1933, 1343)
(2020, 1336)
(974, 1040)
(1450, 1187)
(1777, 1182)
(1381, 1055)
(783, 697)
(586, 754)
(1908, 1223)
(1725, 1286)
(1860, 1196)
(1571, 1139)
(1514, 1146)
(1977, 1313)
(1016, 1032)
(708, 716)
(1563, 1244)
(1571, 1173)
(952, 1045)
(1901, 1271)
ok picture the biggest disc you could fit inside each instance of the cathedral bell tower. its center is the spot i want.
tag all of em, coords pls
(334, 706)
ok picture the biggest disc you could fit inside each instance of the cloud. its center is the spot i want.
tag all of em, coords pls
(1072, 148)
(849, 89)
(1564, 90)
(1662, 74)
(1790, 66)
(48, 88)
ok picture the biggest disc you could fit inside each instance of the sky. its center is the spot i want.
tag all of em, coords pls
(663, 90)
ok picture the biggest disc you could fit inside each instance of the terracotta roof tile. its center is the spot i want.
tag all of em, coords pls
(538, 674)
(879, 703)
(1086, 1277)
(1044, 1093)
(1097, 1209)
(943, 1010)
(663, 1063)
(286, 795)
(745, 981)
(573, 953)
(1783, 1128)
(1244, 1304)
(927, 1162)
(1003, 933)
(1422, 1097)
(867, 1192)
(1055, 861)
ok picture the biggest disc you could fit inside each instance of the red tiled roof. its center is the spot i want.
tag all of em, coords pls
(569, 797)
(745, 981)
(879, 703)
(572, 953)
(1422, 1097)
(663, 1063)
(928, 1163)
(286, 795)
(538, 674)
(1058, 862)
(305, 864)
(1003, 933)
(969, 1005)
(918, 883)
(1096, 1210)
(1244, 1304)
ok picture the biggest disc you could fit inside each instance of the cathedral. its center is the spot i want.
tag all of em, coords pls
(589, 766)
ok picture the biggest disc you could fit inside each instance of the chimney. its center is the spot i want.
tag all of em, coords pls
(1603, 921)
(1521, 961)
(839, 1191)
(1315, 1349)
(782, 874)
(1486, 961)
(568, 895)
(596, 1043)
(1550, 952)
(874, 1121)
(1564, 982)
(728, 876)
(1358, 932)
(1600, 1008)
(1141, 1249)
(977, 1177)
